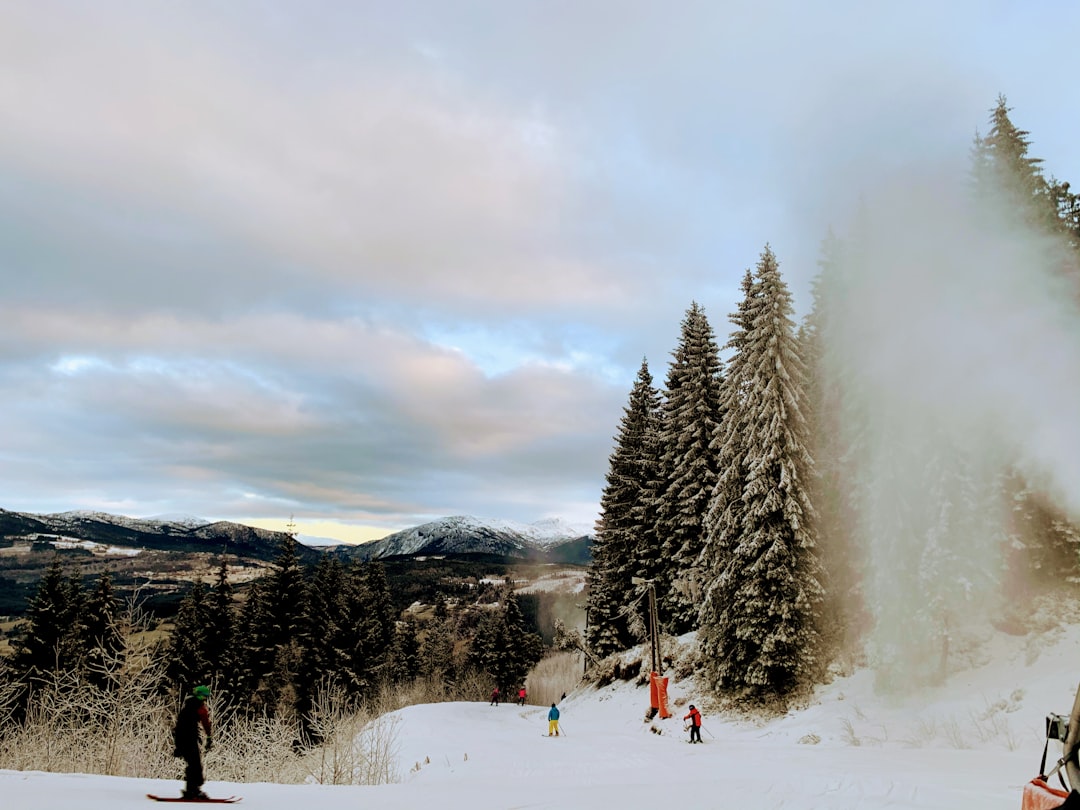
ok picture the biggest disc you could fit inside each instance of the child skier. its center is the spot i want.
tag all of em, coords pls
(553, 721)
(695, 724)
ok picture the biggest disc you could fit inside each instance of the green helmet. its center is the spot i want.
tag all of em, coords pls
(201, 692)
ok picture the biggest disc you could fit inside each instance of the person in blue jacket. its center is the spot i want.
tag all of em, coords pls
(553, 721)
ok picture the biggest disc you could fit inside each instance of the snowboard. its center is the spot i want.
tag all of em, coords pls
(227, 800)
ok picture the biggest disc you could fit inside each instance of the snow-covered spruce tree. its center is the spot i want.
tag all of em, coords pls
(1012, 193)
(845, 618)
(626, 531)
(688, 468)
(724, 519)
(766, 640)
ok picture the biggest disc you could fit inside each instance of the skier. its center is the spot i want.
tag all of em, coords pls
(494, 697)
(695, 724)
(521, 696)
(186, 738)
(553, 721)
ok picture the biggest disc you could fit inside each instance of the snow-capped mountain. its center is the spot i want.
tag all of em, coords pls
(553, 539)
(176, 533)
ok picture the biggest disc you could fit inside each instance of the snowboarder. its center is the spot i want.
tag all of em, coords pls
(553, 721)
(186, 739)
(521, 696)
(695, 724)
(494, 697)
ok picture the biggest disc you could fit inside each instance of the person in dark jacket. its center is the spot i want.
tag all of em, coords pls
(695, 724)
(186, 739)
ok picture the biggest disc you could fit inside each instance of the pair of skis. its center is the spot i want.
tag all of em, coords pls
(227, 800)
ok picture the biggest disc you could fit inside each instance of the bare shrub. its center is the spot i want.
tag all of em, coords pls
(356, 746)
(555, 674)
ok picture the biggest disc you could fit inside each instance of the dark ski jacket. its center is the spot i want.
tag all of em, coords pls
(192, 715)
(694, 717)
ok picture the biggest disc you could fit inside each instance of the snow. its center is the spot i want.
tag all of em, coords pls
(970, 743)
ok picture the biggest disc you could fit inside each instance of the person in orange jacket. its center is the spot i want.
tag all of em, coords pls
(695, 724)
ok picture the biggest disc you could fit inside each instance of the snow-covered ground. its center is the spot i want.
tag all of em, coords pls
(971, 743)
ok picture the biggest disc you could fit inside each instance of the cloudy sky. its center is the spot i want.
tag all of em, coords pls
(367, 264)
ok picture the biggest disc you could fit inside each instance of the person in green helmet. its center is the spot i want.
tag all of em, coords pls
(186, 739)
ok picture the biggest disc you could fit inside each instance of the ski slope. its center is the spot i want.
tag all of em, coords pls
(971, 743)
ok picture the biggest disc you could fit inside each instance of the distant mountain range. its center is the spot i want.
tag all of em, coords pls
(549, 540)
(184, 534)
(544, 541)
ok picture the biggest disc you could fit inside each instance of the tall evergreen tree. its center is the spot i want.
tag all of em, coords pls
(504, 647)
(104, 637)
(220, 634)
(625, 532)
(688, 467)
(273, 650)
(765, 634)
(51, 642)
(1005, 173)
(724, 518)
(830, 420)
(188, 666)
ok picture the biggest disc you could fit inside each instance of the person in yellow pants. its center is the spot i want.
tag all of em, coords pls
(553, 721)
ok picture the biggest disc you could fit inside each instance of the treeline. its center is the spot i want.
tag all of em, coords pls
(747, 490)
(276, 650)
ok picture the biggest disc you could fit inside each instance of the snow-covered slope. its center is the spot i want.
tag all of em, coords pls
(971, 743)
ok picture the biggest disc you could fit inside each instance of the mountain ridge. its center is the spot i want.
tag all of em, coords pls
(549, 540)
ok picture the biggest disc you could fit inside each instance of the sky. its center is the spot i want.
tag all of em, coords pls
(363, 265)
(972, 742)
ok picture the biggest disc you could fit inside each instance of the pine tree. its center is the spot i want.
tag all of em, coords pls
(765, 634)
(724, 518)
(831, 428)
(220, 634)
(274, 651)
(50, 643)
(437, 659)
(503, 647)
(104, 635)
(688, 467)
(1004, 172)
(405, 658)
(625, 531)
(188, 666)
(1009, 185)
(377, 624)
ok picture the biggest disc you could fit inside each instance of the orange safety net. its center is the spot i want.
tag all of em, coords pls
(1040, 796)
(658, 694)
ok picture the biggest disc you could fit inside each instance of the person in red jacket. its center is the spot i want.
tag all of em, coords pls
(695, 724)
(186, 739)
(521, 696)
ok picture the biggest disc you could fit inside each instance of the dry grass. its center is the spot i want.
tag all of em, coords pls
(557, 673)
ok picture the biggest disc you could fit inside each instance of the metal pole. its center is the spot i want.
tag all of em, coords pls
(653, 642)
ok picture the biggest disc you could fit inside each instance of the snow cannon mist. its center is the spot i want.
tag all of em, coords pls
(952, 342)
